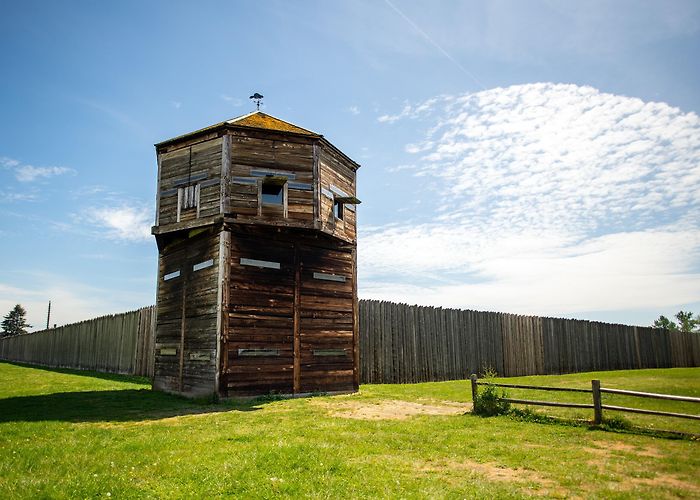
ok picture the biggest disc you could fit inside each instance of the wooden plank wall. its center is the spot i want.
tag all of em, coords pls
(201, 161)
(118, 343)
(251, 152)
(335, 172)
(398, 344)
(406, 344)
(185, 350)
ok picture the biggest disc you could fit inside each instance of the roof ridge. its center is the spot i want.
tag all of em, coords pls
(261, 120)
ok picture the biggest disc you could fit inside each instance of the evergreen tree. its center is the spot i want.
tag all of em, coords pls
(665, 323)
(15, 322)
(687, 322)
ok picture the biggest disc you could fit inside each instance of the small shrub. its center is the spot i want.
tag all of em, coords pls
(489, 402)
(616, 423)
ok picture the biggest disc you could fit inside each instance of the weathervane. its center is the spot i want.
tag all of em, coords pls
(257, 98)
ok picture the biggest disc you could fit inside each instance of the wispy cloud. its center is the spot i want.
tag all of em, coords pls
(29, 173)
(353, 110)
(176, 104)
(234, 101)
(8, 196)
(116, 115)
(432, 42)
(551, 199)
(71, 301)
(125, 223)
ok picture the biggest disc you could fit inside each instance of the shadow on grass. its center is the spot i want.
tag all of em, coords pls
(617, 425)
(111, 406)
(113, 377)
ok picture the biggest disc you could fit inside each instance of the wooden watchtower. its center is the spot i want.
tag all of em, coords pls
(257, 275)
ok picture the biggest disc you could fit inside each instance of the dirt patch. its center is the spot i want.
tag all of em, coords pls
(493, 472)
(606, 449)
(664, 481)
(393, 409)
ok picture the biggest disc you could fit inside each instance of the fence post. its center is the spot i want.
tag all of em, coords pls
(474, 387)
(597, 404)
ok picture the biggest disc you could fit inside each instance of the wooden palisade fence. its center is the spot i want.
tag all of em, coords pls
(596, 392)
(117, 343)
(398, 344)
(406, 344)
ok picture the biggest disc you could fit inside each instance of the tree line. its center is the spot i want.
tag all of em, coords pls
(687, 322)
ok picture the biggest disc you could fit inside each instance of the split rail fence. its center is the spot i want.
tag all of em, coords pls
(398, 344)
(597, 401)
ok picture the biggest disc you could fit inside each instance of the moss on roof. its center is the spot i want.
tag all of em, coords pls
(261, 120)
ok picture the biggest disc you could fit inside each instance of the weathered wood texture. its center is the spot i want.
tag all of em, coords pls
(405, 344)
(186, 334)
(398, 343)
(255, 154)
(335, 175)
(194, 164)
(118, 343)
(290, 319)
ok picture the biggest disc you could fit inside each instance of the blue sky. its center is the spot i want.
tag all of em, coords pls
(538, 157)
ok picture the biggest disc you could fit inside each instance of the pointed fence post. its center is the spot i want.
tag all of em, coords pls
(475, 388)
(597, 404)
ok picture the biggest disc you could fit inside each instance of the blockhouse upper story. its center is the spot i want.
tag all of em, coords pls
(255, 169)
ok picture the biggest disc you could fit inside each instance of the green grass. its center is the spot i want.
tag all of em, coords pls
(70, 434)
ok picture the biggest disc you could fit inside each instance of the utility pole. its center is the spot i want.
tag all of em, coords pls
(48, 316)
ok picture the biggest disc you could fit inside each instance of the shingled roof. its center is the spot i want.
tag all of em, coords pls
(256, 119)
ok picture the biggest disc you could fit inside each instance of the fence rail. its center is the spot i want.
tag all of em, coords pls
(596, 391)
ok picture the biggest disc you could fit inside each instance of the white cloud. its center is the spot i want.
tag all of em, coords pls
(354, 110)
(11, 196)
(551, 199)
(70, 301)
(176, 104)
(235, 101)
(30, 173)
(127, 223)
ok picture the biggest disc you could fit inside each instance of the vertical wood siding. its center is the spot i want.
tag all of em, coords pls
(406, 344)
(118, 343)
(398, 344)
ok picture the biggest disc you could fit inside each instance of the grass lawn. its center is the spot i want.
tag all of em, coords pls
(79, 434)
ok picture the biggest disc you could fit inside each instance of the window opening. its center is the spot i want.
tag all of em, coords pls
(329, 352)
(272, 192)
(190, 197)
(173, 275)
(338, 209)
(258, 352)
(203, 265)
(259, 263)
(329, 277)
